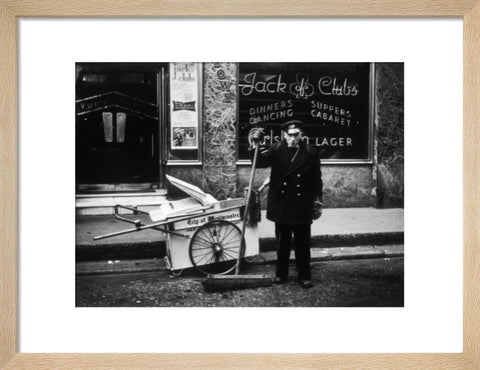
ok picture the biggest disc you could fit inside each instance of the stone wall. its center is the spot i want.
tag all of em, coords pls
(389, 120)
(220, 130)
(347, 185)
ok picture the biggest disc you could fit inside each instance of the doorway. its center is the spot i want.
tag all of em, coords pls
(118, 126)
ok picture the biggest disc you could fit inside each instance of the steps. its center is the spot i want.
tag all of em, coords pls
(103, 204)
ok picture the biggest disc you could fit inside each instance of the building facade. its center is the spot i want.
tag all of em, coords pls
(137, 122)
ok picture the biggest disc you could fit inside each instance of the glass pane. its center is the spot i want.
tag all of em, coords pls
(108, 126)
(121, 122)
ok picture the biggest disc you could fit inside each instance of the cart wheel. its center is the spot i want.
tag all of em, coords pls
(215, 247)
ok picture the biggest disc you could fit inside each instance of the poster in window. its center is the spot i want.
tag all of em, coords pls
(184, 137)
(183, 106)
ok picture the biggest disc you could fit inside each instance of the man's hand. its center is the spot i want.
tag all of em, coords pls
(317, 209)
(255, 135)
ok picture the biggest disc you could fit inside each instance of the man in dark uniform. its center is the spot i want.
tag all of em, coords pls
(294, 196)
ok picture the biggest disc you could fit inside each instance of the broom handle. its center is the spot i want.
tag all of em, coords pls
(245, 215)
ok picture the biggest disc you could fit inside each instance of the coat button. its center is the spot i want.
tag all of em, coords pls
(298, 185)
(299, 175)
(284, 184)
(299, 194)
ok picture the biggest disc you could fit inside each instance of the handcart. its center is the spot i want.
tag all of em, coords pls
(201, 231)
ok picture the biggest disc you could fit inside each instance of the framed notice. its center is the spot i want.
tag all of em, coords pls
(183, 106)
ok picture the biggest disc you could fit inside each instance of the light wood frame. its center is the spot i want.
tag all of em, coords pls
(11, 9)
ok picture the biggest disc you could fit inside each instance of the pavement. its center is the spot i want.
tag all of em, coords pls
(341, 233)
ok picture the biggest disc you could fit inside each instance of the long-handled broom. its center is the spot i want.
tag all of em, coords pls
(230, 282)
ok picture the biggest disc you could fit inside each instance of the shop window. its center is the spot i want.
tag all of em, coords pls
(333, 100)
(184, 134)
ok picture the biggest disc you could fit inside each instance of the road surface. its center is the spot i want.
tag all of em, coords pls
(348, 283)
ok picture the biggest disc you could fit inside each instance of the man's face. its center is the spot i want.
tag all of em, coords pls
(293, 139)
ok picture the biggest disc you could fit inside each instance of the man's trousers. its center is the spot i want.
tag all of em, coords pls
(301, 241)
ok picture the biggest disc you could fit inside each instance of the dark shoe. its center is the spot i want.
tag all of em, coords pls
(306, 283)
(279, 280)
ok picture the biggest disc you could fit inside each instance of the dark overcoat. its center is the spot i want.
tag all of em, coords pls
(294, 184)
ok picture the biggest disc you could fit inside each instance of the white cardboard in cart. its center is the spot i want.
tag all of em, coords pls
(192, 190)
(176, 208)
(196, 203)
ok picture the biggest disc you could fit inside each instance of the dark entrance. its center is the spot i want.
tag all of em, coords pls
(118, 126)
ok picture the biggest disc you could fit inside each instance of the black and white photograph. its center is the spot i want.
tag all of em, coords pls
(239, 184)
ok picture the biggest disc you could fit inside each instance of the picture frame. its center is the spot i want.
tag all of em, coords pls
(10, 10)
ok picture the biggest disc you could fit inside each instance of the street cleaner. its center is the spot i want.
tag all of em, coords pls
(294, 196)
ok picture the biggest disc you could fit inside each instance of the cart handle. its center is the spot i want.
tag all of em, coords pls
(135, 210)
(156, 225)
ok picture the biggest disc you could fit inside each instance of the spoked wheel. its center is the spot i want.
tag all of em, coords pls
(215, 247)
